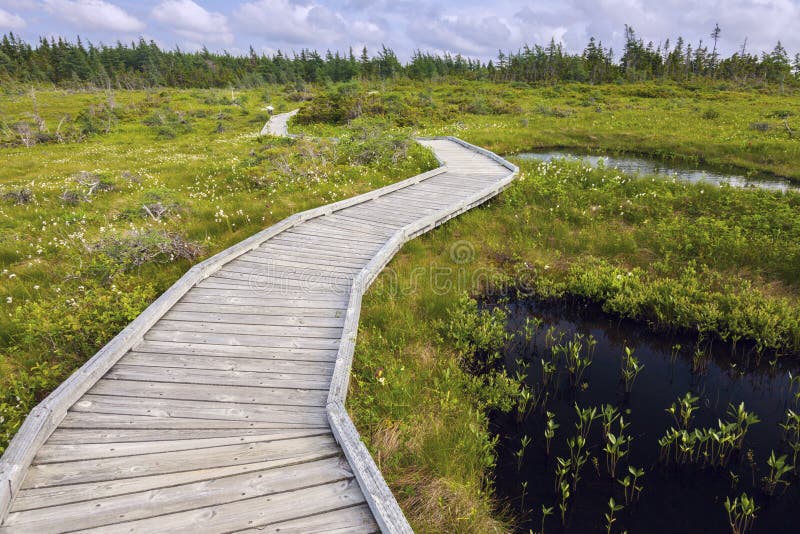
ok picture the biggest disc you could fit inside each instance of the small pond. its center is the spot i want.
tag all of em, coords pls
(653, 167)
(676, 495)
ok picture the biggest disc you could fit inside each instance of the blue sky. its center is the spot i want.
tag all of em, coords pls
(473, 28)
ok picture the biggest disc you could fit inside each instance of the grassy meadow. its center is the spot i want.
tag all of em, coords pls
(720, 262)
(95, 225)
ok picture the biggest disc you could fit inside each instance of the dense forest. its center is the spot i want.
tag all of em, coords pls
(144, 64)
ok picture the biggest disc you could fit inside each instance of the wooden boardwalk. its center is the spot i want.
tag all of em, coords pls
(221, 408)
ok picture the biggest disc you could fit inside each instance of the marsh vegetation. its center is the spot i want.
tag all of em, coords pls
(668, 440)
(96, 224)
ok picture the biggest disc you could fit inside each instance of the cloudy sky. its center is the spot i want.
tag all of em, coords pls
(464, 26)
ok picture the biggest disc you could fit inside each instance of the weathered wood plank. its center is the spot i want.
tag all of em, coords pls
(267, 256)
(294, 262)
(222, 363)
(291, 313)
(70, 452)
(217, 377)
(302, 299)
(99, 512)
(254, 329)
(33, 498)
(233, 297)
(241, 340)
(314, 242)
(144, 390)
(106, 469)
(238, 351)
(272, 246)
(250, 513)
(184, 409)
(110, 421)
(252, 319)
(344, 223)
(278, 274)
(390, 229)
(352, 520)
(69, 436)
(274, 285)
(390, 210)
(335, 234)
(376, 214)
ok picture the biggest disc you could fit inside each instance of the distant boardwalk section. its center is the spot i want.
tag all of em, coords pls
(221, 407)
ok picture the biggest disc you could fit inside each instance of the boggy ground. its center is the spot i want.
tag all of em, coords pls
(83, 256)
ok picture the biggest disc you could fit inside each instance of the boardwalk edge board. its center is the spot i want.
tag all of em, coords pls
(46, 416)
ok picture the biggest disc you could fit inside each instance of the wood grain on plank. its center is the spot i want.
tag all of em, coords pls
(101, 511)
(109, 469)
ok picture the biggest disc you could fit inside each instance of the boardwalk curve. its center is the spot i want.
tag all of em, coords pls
(221, 407)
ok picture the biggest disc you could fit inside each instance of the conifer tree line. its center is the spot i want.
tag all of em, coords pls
(143, 64)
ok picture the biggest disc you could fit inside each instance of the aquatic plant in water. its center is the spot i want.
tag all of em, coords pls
(613, 507)
(713, 446)
(741, 513)
(524, 442)
(585, 418)
(616, 447)
(631, 490)
(778, 468)
(578, 457)
(550, 430)
(791, 433)
(631, 367)
(682, 410)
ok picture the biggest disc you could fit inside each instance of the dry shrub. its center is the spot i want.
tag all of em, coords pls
(137, 248)
(71, 197)
(19, 197)
(131, 177)
(92, 182)
(157, 210)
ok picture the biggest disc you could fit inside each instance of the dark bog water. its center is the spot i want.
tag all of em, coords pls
(652, 167)
(674, 498)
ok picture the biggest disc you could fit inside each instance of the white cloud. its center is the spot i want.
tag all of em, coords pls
(193, 22)
(10, 21)
(94, 15)
(472, 35)
(303, 23)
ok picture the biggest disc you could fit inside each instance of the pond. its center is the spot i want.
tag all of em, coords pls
(680, 491)
(653, 167)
